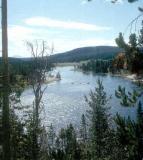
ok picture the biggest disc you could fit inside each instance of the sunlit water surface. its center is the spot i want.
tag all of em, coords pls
(64, 100)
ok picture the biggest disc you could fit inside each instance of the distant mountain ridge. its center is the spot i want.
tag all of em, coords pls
(86, 53)
(79, 54)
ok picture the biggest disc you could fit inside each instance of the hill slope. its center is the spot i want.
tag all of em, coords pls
(85, 53)
(76, 55)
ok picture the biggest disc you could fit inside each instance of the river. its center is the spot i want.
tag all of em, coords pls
(64, 100)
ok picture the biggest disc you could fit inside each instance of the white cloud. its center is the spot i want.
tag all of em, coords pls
(48, 22)
(19, 32)
(36, 28)
(17, 36)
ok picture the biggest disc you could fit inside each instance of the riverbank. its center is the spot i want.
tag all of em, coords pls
(138, 79)
(51, 79)
(66, 64)
(132, 77)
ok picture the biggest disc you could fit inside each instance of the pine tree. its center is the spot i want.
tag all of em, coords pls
(62, 137)
(129, 136)
(140, 38)
(71, 143)
(133, 50)
(83, 129)
(51, 137)
(99, 122)
(140, 130)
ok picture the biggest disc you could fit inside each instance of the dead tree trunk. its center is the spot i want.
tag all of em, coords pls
(39, 55)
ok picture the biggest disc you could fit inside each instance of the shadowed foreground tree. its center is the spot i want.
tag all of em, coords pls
(5, 91)
(99, 118)
(129, 136)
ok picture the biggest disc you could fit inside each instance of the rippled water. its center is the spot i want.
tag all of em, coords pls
(64, 100)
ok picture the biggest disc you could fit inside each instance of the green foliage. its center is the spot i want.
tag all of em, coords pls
(140, 38)
(83, 128)
(129, 135)
(133, 50)
(65, 145)
(133, 40)
(127, 98)
(97, 66)
(21, 69)
(120, 41)
(51, 137)
(99, 122)
(18, 138)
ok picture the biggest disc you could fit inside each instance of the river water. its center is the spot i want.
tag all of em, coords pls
(64, 100)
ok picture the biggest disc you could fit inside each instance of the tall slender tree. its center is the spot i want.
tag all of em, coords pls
(99, 122)
(5, 109)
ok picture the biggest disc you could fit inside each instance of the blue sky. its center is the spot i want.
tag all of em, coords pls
(67, 24)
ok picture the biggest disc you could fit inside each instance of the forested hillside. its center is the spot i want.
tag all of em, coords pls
(77, 55)
(86, 53)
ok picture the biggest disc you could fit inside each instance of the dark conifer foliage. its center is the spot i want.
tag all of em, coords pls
(97, 66)
(133, 51)
(129, 135)
(99, 117)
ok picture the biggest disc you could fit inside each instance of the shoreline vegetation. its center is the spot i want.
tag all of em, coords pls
(66, 64)
(130, 76)
(52, 78)
(138, 79)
